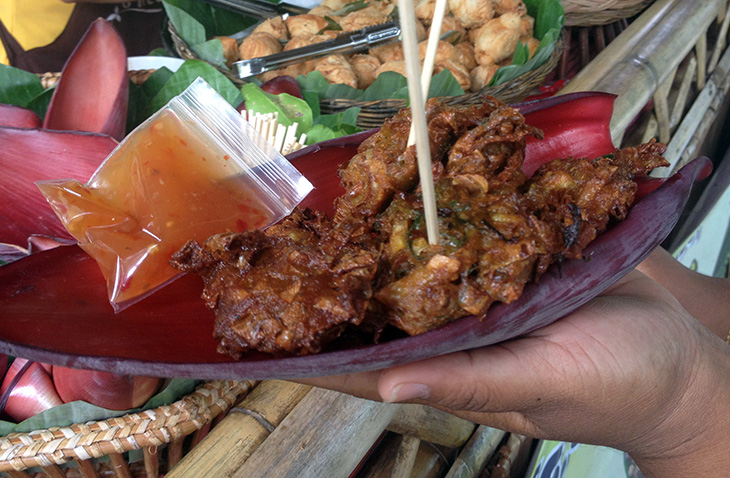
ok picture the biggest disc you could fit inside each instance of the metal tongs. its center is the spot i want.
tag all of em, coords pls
(258, 8)
(346, 43)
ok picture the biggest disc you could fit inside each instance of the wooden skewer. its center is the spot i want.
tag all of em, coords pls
(407, 15)
(432, 46)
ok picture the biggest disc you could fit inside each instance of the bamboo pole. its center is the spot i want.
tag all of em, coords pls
(510, 455)
(405, 458)
(431, 425)
(17, 474)
(645, 54)
(121, 468)
(431, 461)
(88, 471)
(683, 92)
(714, 92)
(326, 434)
(721, 42)
(473, 458)
(242, 431)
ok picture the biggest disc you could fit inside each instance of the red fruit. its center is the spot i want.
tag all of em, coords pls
(104, 389)
(282, 84)
(29, 390)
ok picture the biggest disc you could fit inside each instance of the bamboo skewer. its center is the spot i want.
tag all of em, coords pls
(407, 15)
(430, 58)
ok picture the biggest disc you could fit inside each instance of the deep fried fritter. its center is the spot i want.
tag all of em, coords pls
(289, 289)
(297, 286)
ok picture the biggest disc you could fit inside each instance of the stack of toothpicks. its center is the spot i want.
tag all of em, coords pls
(283, 138)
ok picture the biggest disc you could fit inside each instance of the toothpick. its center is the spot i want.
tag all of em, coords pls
(281, 137)
(431, 48)
(407, 16)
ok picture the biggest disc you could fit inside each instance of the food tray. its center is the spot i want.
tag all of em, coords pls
(149, 430)
(588, 13)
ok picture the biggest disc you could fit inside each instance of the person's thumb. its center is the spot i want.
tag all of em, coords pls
(491, 379)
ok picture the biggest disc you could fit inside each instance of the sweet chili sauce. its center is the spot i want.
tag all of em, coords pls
(163, 186)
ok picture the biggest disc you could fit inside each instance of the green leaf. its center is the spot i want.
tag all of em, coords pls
(320, 133)
(444, 84)
(159, 52)
(548, 15)
(521, 54)
(340, 120)
(351, 7)
(312, 99)
(315, 82)
(212, 52)
(40, 103)
(549, 18)
(18, 87)
(388, 84)
(188, 72)
(331, 25)
(140, 96)
(290, 109)
(227, 23)
(189, 29)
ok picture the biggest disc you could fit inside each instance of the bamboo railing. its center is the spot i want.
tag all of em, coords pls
(662, 56)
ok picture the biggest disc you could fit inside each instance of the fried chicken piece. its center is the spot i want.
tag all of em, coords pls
(289, 290)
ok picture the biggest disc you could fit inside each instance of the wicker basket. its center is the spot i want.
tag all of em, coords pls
(587, 12)
(374, 113)
(151, 430)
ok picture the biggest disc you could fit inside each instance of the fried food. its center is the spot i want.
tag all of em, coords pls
(299, 285)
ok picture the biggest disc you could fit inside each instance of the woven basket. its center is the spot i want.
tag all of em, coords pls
(374, 113)
(182, 49)
(588, 13)
(151, 431)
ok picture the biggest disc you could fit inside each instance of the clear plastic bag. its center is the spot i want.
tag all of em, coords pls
(193, 169)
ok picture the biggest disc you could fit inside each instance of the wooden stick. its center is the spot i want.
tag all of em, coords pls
(430, 58)
(407, 15)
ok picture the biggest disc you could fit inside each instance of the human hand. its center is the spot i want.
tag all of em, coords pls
(626, 370)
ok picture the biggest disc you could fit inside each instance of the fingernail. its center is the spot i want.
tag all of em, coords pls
(408, 391)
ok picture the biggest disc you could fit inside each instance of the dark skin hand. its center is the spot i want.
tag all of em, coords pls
(632, 369)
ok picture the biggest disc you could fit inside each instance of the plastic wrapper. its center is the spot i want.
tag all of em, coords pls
(193, 169)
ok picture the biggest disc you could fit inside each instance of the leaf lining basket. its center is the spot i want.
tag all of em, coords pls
(148, 430)
(374, 113)
(589, 13)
